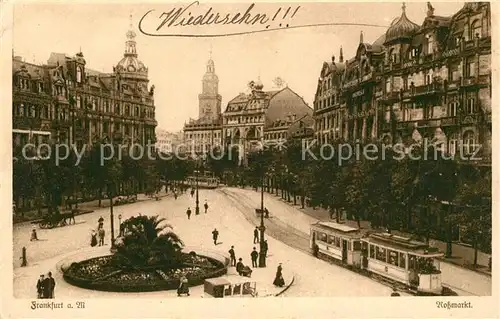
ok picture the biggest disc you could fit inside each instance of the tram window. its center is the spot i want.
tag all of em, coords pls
(322, 237)
(331, 239)
(348, 245)
(337, 241)
(402, 260)
(393, 257)
(356, 246)
(412, 262)
(372, 251)
(381, 254)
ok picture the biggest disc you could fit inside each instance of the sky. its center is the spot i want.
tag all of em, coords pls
(177, 64)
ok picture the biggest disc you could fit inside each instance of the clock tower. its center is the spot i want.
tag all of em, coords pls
(210, 99)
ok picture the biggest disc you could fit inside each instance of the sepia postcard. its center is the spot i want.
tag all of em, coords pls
(249, 159)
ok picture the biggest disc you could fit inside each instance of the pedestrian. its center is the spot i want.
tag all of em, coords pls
(175, 195)
(239, 266)
(183, 286)
(278, 280)
(192, 192)
(102, 233)
(256, 235)
(188, 213)
(49, 285)
(215, 235)
(100, 223)
(254, 256)
(206, 206)
(233, 257)
(265, 247)
(39, 286)
(93, 238)
(34, 235)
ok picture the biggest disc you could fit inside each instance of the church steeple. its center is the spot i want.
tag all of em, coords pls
(209, 99)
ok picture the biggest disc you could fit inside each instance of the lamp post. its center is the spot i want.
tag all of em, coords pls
(197, 208)
(262, 228)
(120, 224)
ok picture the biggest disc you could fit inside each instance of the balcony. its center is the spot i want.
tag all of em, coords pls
(449, 121)
(26, 123)
(450, 53)
(390, 96)
(428, 89)
(409, 64)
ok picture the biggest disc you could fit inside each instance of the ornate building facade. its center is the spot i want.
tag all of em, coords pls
(430, 81)
(252, 119)
(66, 102)
(168, 142)
(205, 133)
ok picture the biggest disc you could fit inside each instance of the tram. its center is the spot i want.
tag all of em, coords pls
(395, 258)
(337, 241)
(230, 286)
(206, 180)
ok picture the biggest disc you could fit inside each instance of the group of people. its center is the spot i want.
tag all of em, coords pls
(189, 212)
(45, 286)
(101, 233)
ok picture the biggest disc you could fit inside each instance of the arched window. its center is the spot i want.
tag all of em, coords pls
(78, 74)
(469, 142)
(476, 29)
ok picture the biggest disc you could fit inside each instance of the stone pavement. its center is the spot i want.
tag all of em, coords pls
(463, 281)
(313, 277)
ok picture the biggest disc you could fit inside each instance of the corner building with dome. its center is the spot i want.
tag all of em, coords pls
(64, 101)
(415, 82)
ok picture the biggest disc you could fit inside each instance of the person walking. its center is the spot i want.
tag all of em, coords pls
(192, 192)
(34, 235)
(254, 255)
(206, 206)
(39, 286)
(175, 195)
(100, 223)
(232, 255)
(49, 285)
(278, 280)
(188, 212)
(215, 235)
(93, 239)
(102, 233)
(256, 235)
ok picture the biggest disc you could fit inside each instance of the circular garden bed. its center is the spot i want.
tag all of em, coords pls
(103, 273)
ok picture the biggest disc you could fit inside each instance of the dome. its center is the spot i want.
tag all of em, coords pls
(258, 85)
(402, 28)
(131, 64)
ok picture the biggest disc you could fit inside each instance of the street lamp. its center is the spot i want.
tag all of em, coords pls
(262, 252)
(197, 208)
(120, 223)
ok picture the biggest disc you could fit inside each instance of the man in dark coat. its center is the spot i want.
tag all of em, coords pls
(206, 207)
(215, 235)
(48, 286)
(254, 255)
(233, 256)
(256, 235)
(265, 247)
(188, 213)
(240, 266)
(39, 286)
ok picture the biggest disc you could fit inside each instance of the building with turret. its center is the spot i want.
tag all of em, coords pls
(416, 82)
(65, 101)
(202, 135)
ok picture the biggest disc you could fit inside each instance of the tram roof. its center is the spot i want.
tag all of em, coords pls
(229, 280)
(336, 227)
(404, 243)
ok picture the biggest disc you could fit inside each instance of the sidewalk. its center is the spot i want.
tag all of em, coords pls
(84, 208)
(463, 255)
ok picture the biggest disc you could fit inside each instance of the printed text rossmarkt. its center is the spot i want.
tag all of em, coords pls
(309, 151)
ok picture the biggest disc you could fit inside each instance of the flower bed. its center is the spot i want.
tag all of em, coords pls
(101, 274)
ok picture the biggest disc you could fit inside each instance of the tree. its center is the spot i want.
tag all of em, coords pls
(145, 243)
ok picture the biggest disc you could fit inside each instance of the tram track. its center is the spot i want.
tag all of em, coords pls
(291, 236)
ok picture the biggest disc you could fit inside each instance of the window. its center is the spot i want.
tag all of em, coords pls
(117, 108)
(469, 142)
(405, 83)
(393, 257)
(471, 107)
(78, 102)
(331, 240)
(356, 245)
(452, 108)
(388, 87)
(79, 74)
(452, 144)
(427, 78)
(430, 44)
(454, 74)
(337, 241)
(471, 67)
(476, 29)
(380, 253)
(372, 251)
(322, 237)
(402, 260)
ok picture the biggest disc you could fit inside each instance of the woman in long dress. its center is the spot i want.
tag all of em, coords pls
(183, 287)
(93, 239)
(278, 280)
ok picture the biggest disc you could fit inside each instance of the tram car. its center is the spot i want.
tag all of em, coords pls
(395, 258)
